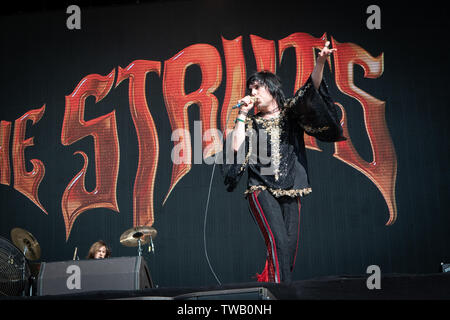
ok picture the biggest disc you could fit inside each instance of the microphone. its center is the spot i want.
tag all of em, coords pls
(240, 104)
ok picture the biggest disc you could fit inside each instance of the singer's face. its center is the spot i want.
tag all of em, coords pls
(264, 99)
(101, 253)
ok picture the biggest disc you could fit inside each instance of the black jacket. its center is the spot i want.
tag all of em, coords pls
(274, 152)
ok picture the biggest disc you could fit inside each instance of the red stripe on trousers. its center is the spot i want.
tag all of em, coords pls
(266, 233)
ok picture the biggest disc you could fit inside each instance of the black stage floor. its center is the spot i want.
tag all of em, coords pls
(393, 287)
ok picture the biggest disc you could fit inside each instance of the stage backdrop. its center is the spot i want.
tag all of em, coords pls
(111, 121)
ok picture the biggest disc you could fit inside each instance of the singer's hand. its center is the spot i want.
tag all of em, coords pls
(325, 53)
(317, 72)
(249, 103)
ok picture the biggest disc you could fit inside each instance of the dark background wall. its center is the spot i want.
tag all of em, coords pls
(343, 221)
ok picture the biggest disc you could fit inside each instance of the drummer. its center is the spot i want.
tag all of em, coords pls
(99, 250)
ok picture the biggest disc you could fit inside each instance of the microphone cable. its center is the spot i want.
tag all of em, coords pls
(204, 225)
(207, 203)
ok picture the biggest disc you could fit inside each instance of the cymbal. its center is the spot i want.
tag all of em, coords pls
(131, 236)
(23, 239)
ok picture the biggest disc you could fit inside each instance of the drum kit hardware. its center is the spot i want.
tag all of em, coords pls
(26, 243)
(133, 237)
(29, 247)
(139, 236)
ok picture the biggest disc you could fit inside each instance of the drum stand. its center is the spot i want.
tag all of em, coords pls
(138, 235)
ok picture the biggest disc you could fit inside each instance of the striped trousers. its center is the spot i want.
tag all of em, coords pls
(279, 222)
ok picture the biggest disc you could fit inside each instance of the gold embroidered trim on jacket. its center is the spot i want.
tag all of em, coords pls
(299, 94)
(309, 129)
(249, 124)
(273, 126)
(280, 192)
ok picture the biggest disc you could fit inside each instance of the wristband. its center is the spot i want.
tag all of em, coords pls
(239, 119)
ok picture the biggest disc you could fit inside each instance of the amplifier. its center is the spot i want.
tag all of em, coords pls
(76, 276)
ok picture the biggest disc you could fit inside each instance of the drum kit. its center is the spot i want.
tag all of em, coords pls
(133, 237)
(31, 250)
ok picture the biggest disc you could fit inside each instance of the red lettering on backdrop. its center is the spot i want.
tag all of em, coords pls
(382, 171)
(264, 52)
(26, 182)
(136, 72)
(76, 199)
(177, 101)
(5, 171)
(304, 45)
(235, 80)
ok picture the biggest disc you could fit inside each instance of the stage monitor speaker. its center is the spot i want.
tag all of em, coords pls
(77, 276)
(258, 293)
